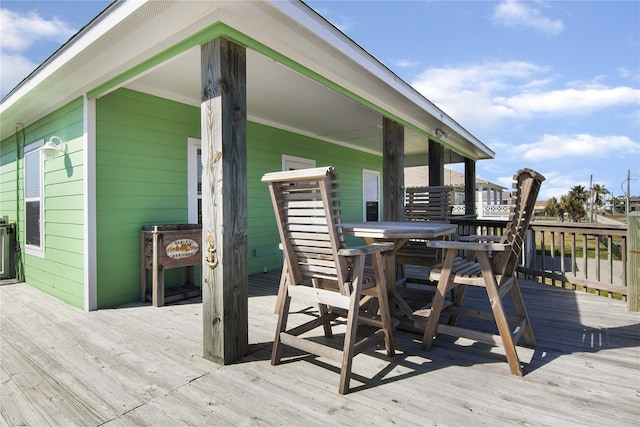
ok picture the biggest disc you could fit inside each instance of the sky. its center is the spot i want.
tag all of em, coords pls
(549, 85)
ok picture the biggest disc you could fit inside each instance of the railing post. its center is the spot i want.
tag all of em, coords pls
(633, 261)
(529, 249)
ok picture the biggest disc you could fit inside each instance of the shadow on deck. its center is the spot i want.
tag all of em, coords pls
(142, 365)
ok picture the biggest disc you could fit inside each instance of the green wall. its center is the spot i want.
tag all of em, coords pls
(141, 178)
(266, 145)
(61, 272)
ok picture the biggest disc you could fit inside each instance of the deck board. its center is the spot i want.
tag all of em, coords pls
(141, 365)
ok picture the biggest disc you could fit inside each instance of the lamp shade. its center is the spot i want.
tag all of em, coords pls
(50, 148)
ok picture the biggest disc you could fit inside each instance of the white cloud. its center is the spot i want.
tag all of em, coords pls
(14, 69)
(514, 14)
(468, 92)
(18, 32)
(557, 184)
(576, 146)
(628, 74)
(482, 95)
(570, 100)
(403, 63)
(567, 160)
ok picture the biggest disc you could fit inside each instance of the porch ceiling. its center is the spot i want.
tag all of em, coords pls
(281, 97)
(129, 36)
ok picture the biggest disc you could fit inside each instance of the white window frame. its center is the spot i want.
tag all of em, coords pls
(294, 163)
(365, 174)
(32, 150)
(193, 145)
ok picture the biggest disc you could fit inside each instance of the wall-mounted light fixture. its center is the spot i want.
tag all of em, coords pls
(442, 134)
(51, 148)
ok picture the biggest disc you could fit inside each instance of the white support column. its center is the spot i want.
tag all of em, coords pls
(89, 205)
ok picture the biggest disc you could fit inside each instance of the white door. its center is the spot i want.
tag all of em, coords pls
(194, 181)
(370, 195)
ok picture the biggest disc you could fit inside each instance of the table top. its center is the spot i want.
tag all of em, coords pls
(398, 229)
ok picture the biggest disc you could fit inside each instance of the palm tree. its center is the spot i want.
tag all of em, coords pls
(573, 203)
(552, 208)
(599, 191)
(579, 193)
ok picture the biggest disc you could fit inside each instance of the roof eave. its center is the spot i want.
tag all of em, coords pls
(341, 61)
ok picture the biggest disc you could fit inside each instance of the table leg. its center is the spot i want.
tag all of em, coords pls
(390, 268)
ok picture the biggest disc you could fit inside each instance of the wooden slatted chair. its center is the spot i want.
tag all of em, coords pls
(322, 271)
(431, 203)
(496, 273)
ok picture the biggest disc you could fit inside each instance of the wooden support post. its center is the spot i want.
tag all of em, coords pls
(436, 163)
(633, 261)
(392, 170)
(469, 186)
(224, 201)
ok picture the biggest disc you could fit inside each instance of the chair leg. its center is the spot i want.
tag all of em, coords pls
(457, 296)
(446, 277)
(283, 284)
(383, 301)
(499, 315)
(348, 350)
(276, 352)
(521, 311)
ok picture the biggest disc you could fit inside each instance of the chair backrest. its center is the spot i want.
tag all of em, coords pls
(307, 209)
(527, 185)
(432, 203)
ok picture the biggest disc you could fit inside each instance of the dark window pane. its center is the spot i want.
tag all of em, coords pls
(33, 223)
(372, 211)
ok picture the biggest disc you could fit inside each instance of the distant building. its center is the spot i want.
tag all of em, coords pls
(490, 193)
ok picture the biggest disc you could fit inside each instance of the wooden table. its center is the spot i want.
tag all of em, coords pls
(398, 232)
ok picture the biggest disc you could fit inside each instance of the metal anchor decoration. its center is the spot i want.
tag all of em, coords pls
(211, 259)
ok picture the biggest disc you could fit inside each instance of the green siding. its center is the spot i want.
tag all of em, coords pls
(141, 178)
(61, 271)
(266, 145)
(8, 163)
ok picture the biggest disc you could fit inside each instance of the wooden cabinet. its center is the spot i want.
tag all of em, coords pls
(169, 246)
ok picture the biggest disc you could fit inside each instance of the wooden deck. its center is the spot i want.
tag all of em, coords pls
(141, 365)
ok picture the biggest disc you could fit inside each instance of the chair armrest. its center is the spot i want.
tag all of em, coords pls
(366, 249)
(479, 238)
(468, 246)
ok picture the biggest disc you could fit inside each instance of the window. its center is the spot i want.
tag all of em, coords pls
(34, 199)
(371, 195)
(290, 163)
(194, 180)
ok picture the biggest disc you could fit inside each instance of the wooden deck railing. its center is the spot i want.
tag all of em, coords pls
(581, 256)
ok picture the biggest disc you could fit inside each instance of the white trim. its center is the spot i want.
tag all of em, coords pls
(89, 205)
(193, 144)
(29, 150)
(293, 162)
(369, 173)
(310, 134)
